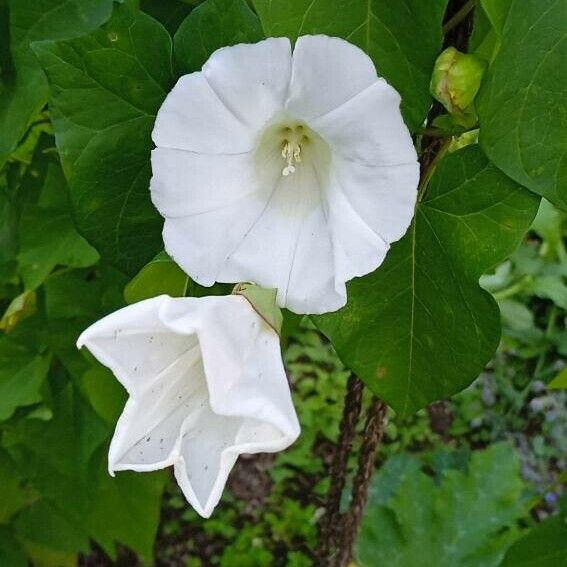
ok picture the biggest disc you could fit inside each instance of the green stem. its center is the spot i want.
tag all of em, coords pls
(431, 169)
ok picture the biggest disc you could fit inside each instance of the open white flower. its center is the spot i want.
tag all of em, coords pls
(206, 383)
(291, 170)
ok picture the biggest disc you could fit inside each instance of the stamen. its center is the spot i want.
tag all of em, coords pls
(291, 152)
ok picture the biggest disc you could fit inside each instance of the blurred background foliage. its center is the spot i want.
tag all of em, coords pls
(474, 481)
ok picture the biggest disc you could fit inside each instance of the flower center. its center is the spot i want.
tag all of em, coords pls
(286, 144)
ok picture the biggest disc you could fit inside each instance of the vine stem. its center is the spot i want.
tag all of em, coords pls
(373, 432)
(459, 16)
(351, 412)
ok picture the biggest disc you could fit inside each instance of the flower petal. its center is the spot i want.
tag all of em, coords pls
(149, 432)
(201, 243)
(358, 250)
(288, 247)
(194, 118)
(134, 343)
(251, 79)
(384, 197)
(186, 183)
(369, 128)
(250, 402)
(225, 393)
(326, 72)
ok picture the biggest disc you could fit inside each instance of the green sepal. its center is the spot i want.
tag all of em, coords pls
(263, 301)
(455, 82)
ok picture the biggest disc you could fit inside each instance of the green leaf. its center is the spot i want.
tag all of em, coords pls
(161, 275)
(126, 510)
(544, 546)
(74, 299)
(22, 373)
(169, 13)
(48, 238)
(489, 19)
(105, 90)
(521, 105)
(466, 519)
(420, 328)
(55, 456)
(11, 553)
(24, 89)
(559, 382)
(403, 38)
(43, 526)
(214, 24)
(13, 494)
(104, 393)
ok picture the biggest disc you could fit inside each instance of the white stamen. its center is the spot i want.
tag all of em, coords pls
(291, 152)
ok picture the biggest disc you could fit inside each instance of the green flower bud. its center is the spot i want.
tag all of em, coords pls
(455, 82)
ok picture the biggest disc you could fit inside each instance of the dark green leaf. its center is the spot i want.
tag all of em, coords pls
(489, 19)
(24, 89)
(105, 91)
(11, 553)
(22, 373)
(403, 38)
(48, 238)
(170, 13)
(13, 494)
(544, 546)
(126, 510)
(420, 328)
(43, 526)
(214, 24)
(56, 455)
(522, 103)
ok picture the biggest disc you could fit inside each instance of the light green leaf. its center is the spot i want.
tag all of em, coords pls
(521, 105)
(161, 275)
(24, 89)
(403, 38)
(214, 24)
(560, 381)
(105, 90)
(104, 393)
(48, 238)
(420, 328)
(467, 519)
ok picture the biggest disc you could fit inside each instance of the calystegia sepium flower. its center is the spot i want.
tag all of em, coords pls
(292, 169)
(206, 383)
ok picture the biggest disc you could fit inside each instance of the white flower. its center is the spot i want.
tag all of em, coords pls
(206, 383)
(293, 171)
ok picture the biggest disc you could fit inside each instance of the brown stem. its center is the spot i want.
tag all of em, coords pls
(351, 412)
(373, 431)
(459, 16)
